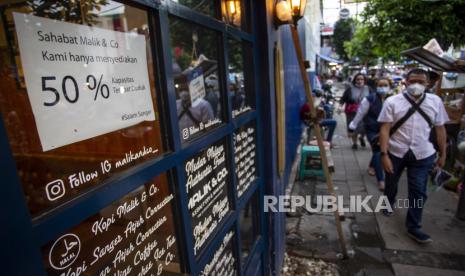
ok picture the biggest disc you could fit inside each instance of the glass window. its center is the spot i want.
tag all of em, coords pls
(248, 225)
(223, 261)
(205, 6)
(133, 235)
(207, 189)
(240, 81)
(195, 67)
(245, 157)
(77, 95)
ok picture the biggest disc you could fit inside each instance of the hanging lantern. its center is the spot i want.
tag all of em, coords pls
(298, 8)
(290, 9)
(232, 12)
(283, 11)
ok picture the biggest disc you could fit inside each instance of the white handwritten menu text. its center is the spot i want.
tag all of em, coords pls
(223, 262)
(133, 236)
(245, 158)
(207, 188)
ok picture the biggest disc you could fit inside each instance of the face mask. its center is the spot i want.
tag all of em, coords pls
(416, 89)
(382, 90)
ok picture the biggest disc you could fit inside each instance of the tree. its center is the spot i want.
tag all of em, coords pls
(81, 12)
(396, 25)
(361, 48)
(343, 30)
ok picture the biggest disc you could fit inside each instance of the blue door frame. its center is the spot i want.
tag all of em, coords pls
(22, 237)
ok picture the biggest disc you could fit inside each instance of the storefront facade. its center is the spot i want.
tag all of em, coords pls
(139, 138)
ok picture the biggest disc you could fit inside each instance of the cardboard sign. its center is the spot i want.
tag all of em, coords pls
(196, 86)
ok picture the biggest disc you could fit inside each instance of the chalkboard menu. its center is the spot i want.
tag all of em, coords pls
(207, 189)
(223, 262)
(133, 236)
(245, 157)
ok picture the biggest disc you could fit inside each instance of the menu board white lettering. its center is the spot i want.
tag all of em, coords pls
(245, 158)
(207, 188)
(134, 236)
(223, 262)
(82, 81)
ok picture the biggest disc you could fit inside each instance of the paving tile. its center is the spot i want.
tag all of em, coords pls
(370, 235)
(401, 270)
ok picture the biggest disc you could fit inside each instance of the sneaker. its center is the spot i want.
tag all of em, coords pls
(381, 186)
(387, 213)
(419, 236)
(362, 142)
(371, 171)
(354, 146)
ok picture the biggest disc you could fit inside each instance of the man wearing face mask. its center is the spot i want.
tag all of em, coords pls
(407, 120)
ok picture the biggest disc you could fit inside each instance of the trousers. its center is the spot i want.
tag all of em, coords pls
(417, 178)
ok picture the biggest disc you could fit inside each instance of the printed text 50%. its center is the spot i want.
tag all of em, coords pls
(70, 88)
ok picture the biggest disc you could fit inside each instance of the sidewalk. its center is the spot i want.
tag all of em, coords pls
(378, 245)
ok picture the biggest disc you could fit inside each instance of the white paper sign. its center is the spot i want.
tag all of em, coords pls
(196, 86)
(82, 81)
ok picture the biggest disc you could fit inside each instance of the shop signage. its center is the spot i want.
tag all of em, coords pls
(223, 262)
(82, 81)
(134, 236)
(244, 157)
(344, 13)
(207, 189)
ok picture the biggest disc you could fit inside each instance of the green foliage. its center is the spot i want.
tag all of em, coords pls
(342, 33)
(80, 12)
(362, 49)
(396, 25)
(182, 35)
(235, 56)
(205, 6)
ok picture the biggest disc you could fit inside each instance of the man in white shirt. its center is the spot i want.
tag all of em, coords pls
(409, 146)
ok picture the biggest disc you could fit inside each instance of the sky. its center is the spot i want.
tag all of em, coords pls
(331, 9)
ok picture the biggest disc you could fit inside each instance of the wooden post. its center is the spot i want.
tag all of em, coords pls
(319, 138)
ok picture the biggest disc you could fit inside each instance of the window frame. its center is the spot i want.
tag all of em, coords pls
(36, 233)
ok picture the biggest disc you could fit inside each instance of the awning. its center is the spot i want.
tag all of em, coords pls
(432, 60)
(329, 59)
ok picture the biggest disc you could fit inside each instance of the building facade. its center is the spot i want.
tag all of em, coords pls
(139, 137)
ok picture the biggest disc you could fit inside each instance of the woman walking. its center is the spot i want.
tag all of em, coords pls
(351, 100)
(369, 110)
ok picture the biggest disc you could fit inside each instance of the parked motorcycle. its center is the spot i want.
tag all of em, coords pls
(327, 101)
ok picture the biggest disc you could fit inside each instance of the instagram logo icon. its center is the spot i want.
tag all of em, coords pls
(55, 189)
(185, 133)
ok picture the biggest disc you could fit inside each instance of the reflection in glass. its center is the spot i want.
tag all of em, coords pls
(204, 6)
(232, 12)
(196, 81)
(240, 89)
(248, 226)
(55, 176)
